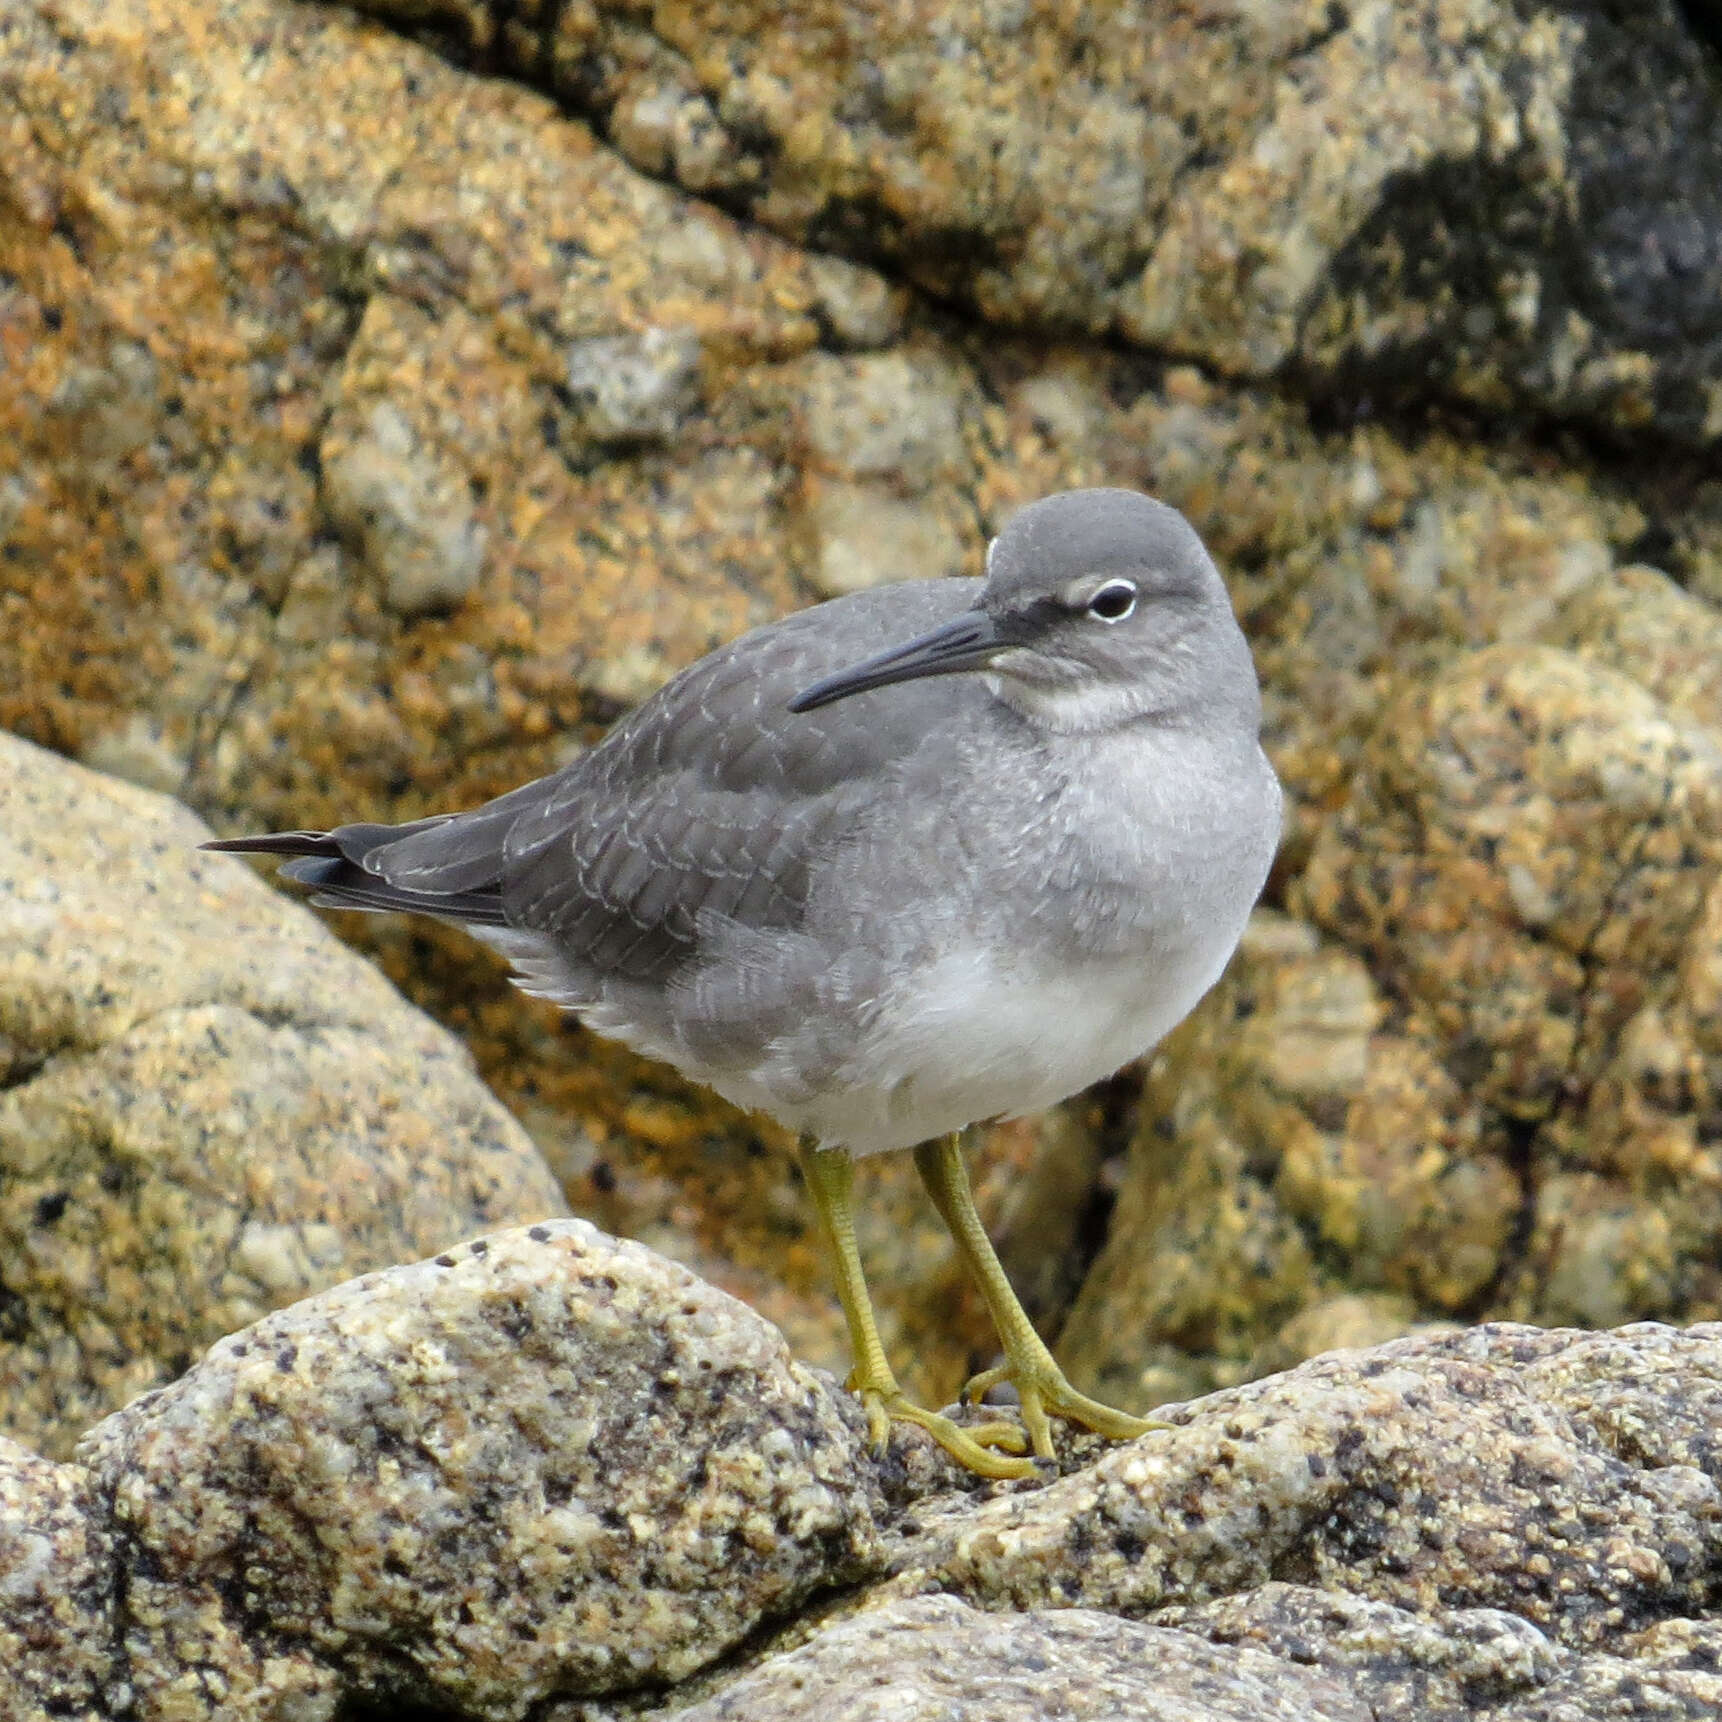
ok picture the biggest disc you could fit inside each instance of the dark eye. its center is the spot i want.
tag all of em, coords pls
(1114, 601)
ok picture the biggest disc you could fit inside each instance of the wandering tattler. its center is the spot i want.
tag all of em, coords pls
(931, 853)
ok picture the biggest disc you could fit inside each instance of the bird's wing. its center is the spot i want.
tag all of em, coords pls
(709, 801)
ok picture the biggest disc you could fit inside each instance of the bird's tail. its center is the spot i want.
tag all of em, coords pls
(349, 868)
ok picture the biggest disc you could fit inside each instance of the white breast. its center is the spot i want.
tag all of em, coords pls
(980, 1035)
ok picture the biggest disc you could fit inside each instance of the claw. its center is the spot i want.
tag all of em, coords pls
(1042, 1388)
(972, 1447)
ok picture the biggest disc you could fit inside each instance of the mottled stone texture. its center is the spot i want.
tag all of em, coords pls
(934, 1657)
(58, 1572)
(1540, 876)
(549, 1474)
(208, 1107)
(382, 418)
(1462, 1470)
(1516, 205)
(546, 1462)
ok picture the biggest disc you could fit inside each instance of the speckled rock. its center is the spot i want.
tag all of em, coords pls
(1541, 837)
(410, 517)
(548, 1473)
(1516, 205)
(1464, 1664)
(58, 1573)
(935, 1657)
(331, 224)
(547, 1462)
(1644, 625)
(1534, 851)
(208, 1106)
(1573, 1480)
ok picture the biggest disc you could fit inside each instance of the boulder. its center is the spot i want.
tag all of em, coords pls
(209, 1107)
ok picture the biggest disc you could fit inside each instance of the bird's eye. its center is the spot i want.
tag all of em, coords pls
(1114, 601)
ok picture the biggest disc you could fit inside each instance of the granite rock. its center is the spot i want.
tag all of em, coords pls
(1459, 1664)
(1569, 1479)
(1511, 205)
(548, 1473)
(932, 1657)
(59, 1568)
(208, 1107)
(1541, 877)
(546, 1462)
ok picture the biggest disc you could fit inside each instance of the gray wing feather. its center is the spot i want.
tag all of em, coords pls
(707, 802)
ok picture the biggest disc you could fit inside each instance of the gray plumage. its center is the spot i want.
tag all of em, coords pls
(910, 906)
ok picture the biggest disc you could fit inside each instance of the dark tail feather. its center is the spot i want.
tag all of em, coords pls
(278, 843)
(332, 864)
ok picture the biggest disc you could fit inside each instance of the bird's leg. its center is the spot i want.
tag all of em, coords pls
(1028, 1365)
(830, 1175)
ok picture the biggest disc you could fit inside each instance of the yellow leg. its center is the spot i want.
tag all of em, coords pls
(830, 1175)
(1040, 1383)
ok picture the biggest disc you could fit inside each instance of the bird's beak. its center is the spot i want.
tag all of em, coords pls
(970, 641)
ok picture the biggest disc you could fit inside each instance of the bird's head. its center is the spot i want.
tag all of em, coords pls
(1100, 607)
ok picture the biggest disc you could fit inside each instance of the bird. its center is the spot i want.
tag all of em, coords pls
(934, 852)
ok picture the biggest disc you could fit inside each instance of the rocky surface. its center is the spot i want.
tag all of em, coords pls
(208, 1107)
(58, 1566)
(935, 1656)
(545, 1462)
(548, 1473)
(1513, 205)
(383, 418)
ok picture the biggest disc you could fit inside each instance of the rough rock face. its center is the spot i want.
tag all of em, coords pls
(58, 1565)
(548, 1473)
(1426, 1472)
(1510, 204)
(935, 1656)
(547, 1462)
(207, 1106)
(381, 419)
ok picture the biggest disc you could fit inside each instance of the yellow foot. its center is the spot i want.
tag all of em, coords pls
(970, 1447)
(1041, 1388)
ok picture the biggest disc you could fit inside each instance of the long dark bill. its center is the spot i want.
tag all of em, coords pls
(967, 642)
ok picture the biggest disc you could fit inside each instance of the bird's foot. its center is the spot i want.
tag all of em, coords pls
(1042, 1389)
(973, 1447)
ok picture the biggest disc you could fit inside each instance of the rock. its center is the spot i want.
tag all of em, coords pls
(1516, 206)
(868, 536)
(861, 308)
(1458, 1664)
(935, 1656)
(208, 1108)
(411, 519)
(1643, 625)
(894, 415)
(1469, 1468)
(1347, 1321)
(546, 1462)
(1542, 875)
(634, 388)
(548, 1473)
(59, 1568)
(884, 433)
